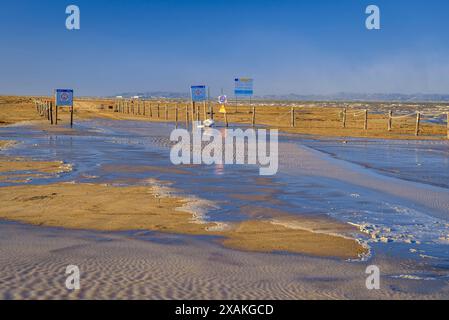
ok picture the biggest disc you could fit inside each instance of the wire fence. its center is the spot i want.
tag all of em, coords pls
(416, 122)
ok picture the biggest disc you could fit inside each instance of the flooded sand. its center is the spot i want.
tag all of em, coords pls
(405, 221)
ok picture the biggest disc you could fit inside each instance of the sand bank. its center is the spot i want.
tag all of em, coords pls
(111, 208)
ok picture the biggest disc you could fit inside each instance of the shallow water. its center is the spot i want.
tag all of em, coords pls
(420, 161)
(112, 151)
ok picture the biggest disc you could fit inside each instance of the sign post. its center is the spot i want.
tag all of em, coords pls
(243, 87)
(64, 98)
(223, 100)
(198, 94)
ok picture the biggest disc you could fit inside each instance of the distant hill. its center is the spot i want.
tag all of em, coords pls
(342, 96)
(155, 95)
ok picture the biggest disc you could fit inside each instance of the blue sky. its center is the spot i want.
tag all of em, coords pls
(304, 47)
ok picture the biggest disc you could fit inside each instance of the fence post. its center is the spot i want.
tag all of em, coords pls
(447, 115)
(254, 116)
(187, 116)
(292, 122)
(56, 114)
(176, 115)
(390, 118)
(366, 119)
(166, 112)
(418, 120)
(143, 105)
(226, 119)
(51, 112)
(344, 118)
(158, 111)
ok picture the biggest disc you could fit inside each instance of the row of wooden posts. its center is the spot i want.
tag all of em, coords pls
(46, 109)
(158, 111)
(389, 119)
(140, 107)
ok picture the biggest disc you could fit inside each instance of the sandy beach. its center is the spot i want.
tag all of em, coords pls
(141, 228)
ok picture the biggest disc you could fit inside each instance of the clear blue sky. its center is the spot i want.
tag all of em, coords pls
(309, 46)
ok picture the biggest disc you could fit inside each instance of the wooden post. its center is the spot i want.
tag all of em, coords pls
(344, 117)
(176, 115)
(71, 116)
(143, 105)
(193, 111)
(292, 122)
(151, 110)
(447, 116)
(226, 119)
(158, 111)
(166, 112)
(254, 116)
(127, 105)
(204, 110)
(390, 118)
(418, 120)
(56, 114)
(48, 110)
(366, 119)
(187, 116)
(51, 112)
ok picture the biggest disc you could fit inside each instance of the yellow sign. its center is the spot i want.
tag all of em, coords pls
(222, 109)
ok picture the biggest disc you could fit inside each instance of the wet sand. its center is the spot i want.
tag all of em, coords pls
(18, 169)
(109, 208)
(314, 163)
(143, 265)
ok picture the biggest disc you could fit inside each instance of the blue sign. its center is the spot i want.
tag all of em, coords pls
(64, 97)
(243, 87)
(198, 93)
